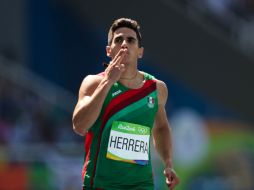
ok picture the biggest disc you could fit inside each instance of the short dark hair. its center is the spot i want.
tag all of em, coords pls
(124, 22)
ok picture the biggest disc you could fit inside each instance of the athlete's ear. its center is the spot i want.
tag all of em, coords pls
(108, 50)
(140, 52)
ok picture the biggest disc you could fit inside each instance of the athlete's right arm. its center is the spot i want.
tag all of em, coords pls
(92, 94)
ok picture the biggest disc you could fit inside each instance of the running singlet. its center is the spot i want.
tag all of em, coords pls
(117, 146)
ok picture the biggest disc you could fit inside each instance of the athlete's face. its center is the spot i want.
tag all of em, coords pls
(125, 38)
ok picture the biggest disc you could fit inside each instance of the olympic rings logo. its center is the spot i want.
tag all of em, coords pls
(142, 130)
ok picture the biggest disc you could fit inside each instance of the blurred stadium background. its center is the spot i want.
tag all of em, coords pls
(202, 49)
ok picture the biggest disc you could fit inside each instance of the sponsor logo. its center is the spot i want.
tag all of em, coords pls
(116, 93)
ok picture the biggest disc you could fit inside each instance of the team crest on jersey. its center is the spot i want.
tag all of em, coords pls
(150, 102)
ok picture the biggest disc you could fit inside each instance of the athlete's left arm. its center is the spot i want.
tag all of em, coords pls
(162, 136)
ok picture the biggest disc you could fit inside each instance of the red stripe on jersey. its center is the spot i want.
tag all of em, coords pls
(88, 142)
(128, 98)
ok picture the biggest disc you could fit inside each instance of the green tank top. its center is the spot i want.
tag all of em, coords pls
(117, 146)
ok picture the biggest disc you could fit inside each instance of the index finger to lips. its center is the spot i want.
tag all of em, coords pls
(120, 53)
(114, 62)
(117, 61)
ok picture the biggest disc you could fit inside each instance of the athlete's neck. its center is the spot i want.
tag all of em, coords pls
(134, 81)
(130, 76)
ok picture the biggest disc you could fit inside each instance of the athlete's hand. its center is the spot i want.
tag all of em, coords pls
(171, 178)
(115, 67)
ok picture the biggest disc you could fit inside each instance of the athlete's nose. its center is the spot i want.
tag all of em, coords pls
(124, 44)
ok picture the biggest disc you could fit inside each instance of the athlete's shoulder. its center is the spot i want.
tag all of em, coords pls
(161, 86)
(93, 79)
(160, 83)
(90, 82)
(162, 91)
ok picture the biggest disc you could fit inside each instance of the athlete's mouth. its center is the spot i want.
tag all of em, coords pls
(126, 49)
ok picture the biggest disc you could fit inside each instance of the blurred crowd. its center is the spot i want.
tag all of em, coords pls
(26, 118)
(235, 18)
(37, 143)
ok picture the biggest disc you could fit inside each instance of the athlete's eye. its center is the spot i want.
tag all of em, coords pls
(131, 40)
(118, 40)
